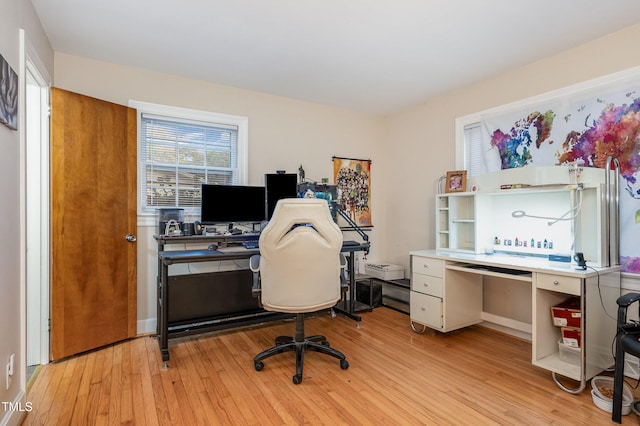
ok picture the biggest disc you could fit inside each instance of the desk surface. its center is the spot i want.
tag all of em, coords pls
(233, 252)
(526, 263)
(169, 257)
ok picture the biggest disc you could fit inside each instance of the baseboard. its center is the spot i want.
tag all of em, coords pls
(146, 326)
(15, 412)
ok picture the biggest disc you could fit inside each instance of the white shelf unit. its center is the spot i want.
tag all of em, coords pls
(597, 326)
(477, 222)
(456, 222)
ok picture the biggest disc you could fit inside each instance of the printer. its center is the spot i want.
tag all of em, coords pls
(384, 271)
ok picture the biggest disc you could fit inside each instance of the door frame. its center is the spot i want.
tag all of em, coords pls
(35, 204)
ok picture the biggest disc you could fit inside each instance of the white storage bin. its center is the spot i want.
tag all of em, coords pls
(569, 353)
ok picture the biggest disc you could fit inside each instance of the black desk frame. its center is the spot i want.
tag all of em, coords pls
(170, 257)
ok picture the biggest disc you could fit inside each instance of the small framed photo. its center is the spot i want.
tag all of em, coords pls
(456, 181)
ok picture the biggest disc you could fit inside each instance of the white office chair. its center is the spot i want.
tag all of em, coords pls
(298, 271)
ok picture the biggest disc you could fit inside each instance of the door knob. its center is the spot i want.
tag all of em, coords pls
(131, 238)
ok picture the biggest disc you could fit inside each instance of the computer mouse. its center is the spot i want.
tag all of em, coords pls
(213, 247)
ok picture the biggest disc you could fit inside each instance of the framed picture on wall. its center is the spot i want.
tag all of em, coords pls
(456, 181)
(8, 95)
(352, 178)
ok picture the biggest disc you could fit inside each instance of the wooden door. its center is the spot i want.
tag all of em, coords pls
(93, 209)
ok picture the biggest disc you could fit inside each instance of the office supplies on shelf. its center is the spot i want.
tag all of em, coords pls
(555, 214)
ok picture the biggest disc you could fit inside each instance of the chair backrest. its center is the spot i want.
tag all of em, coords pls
(300, 257)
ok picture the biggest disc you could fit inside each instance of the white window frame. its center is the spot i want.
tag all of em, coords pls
(171, 112)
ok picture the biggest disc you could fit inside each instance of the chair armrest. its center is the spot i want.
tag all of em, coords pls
(344, 282)
(254, 265)
(624, 302)
(628, 299)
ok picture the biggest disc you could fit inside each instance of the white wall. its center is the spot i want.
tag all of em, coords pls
(16, 14)
(283, 134)
(410, 150)
(426, 133)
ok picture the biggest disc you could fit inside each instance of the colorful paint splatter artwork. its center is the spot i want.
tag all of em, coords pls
(515, 147)
(615, 132)
(592, 131)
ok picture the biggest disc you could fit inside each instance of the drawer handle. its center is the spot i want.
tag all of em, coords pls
(556, 282)
(423, 308)
(425, 284)
(426, 265)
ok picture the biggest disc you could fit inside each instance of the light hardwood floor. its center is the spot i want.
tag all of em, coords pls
(468, 377)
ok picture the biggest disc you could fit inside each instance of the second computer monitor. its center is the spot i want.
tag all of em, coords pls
(279, 186)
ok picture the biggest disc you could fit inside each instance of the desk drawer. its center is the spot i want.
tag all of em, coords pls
(559, 283)
(427, 284)
(427, 266)
(426, 310)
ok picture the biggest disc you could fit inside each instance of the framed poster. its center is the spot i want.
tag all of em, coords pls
(456, 181)
(352, 178)
(8, 95)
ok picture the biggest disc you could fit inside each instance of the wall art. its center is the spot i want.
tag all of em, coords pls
(583, 128)
(8, 95)
(352, 178)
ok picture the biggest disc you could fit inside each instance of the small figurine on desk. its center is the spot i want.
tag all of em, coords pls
(301, 173)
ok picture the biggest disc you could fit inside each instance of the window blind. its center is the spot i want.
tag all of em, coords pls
(472, 147)
(178, 155)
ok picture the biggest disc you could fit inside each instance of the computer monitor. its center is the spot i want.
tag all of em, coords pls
(231, 204)
(277, 187)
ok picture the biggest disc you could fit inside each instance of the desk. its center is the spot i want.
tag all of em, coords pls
(165, 329)
(446, 294)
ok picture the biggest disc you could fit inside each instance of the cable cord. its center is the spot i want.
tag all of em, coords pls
(574, 211)
(600, 294)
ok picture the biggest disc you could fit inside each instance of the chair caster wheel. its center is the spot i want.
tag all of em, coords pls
(297, 379)
(259, 365)
(344, 364)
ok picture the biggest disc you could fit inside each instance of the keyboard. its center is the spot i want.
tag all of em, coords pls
(250, 244)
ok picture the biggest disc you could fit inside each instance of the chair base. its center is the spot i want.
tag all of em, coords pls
(299, 343)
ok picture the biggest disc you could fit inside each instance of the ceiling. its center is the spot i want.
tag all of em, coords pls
(374, 56)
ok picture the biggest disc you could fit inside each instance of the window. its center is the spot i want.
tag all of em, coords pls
(469, 156)
(471, 152)
(472, 156)
(180, 149)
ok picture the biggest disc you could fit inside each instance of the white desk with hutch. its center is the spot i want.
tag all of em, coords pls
(511, 234)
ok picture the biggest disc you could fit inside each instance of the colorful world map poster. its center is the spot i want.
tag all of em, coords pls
(353, 181)
(583, 129)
